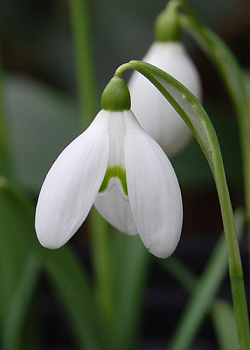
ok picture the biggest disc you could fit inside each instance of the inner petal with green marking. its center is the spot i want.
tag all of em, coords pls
(115, 175)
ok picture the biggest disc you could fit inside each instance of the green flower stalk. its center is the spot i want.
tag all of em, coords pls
(199, 123)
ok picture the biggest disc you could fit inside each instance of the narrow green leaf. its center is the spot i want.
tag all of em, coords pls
(235, 82)
(17, 243)
(180, 272)
(71, 285)
(20, 304)
(225, 325)
(131, 261)
(18, 267)
(204, 292)
(220, 55)
(14, 246)
(5, 142)
(53, 123)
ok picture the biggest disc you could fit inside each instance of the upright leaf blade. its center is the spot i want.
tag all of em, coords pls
(18, 243)
(131, 261)
(18, 267)
(204, 291)
(72, 287)
(235, 82)
(20, 304)
(225, 326)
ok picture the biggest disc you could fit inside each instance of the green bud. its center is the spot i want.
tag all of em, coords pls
(167, 27)
(116, 96)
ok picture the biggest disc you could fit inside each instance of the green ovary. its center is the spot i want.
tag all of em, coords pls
(115, 171)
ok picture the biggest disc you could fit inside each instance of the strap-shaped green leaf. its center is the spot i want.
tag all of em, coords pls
(19, 268)
(204, 291)
(21, 260)
(233, 79)
(130, 262)
(71, 285)
(20, 305)
(225, 327)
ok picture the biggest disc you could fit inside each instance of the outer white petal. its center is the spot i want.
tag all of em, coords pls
(116, 210)
(153, 189)
(71, 185)
(153, 111)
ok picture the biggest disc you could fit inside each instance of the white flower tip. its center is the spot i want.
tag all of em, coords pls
(163, 252)
(46, 237)
(164, 241)
(53, 228)
(46, 243)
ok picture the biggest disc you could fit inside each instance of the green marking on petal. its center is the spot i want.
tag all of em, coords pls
(115, 171)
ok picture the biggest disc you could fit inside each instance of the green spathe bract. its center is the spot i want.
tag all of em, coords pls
(115, 171)
(116, 96)
(167, 27)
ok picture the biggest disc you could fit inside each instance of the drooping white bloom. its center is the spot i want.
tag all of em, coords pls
(117, 166)
(153, 111)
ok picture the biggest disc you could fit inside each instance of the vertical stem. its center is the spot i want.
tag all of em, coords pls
(234, 259)
(88, 107)
(84, 61)
(244, 128)
(103, 267)
(5, 149)
(233, 78)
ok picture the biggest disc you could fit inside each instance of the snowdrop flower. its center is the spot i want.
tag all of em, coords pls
(118, 167)
(153, 111)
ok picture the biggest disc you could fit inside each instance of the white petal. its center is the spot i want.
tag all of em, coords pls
(116, 210)
(71, 185)
(155, 114)
(153, 189)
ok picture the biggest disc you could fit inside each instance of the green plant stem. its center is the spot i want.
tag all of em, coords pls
(103, 267)
(203, 290)
(84, 62)
(5, 148)
(131, 261)
(234, 259)
(233, 78)
(213, 154)
(234, 81)
(244, 129)
(87, 95)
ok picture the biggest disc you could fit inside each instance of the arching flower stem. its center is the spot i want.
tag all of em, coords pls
(199, 123)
